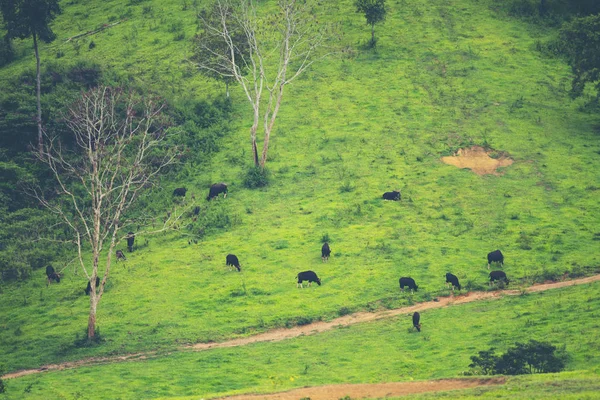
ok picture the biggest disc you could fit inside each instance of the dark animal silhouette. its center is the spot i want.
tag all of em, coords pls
(232, 260)
(121, 255)
(498, 276)
(408, 282)
(416, 321)
(395, 195)
(495, 256)
(196, 210)
(217, 189)
(452, 280)
(52, 275)
(325, 251)
(180, 192)
(309, 276)
(130, 241)
(88, 289)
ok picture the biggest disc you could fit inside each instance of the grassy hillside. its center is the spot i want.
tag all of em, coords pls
(384, 351)
(445, 74)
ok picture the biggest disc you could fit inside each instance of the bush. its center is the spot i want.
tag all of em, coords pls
(523, 358)
(84, 341)
(256, 177)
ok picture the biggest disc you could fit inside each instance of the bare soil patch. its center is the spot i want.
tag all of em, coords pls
(478, 160)
(372, 390)
(316, 327)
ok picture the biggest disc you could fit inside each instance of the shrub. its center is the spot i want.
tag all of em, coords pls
(256, 177)
(523, 358)
(84, 341)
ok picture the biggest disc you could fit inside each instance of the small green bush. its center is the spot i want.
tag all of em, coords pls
(256, 177)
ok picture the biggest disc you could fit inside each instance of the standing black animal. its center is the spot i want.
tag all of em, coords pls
(232, 260)
(196, 210)
(130, 240)
(121, 255)
(217, 189)
(395, 195)
(88, 289)
(180, 192)
(452, 280)
(416, 321)
(495, 256)
(325, 251)
(52, 275)
(309, 276)
(498, 276)
(408, 282)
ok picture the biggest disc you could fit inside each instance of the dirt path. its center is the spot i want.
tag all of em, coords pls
(317, 327)
(372, 390)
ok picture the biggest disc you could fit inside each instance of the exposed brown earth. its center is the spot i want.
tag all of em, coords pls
(372, 390)
(477, 159)
(317, 327)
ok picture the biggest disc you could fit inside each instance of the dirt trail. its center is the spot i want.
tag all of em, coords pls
(371, 390)
(317, 327)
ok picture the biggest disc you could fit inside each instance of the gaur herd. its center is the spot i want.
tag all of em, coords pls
(232, 260)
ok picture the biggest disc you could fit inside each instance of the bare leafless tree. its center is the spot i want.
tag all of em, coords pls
(260, 53)
(119, 150)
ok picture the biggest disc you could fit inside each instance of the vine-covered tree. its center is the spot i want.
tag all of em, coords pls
(374, 11)
(31, 18)
(262, 53)
(580, 39)
(120, 150)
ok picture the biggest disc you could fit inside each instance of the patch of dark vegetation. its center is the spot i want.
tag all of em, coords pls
(300, 321)
(523, 358)
(344, 311)
(84, 341)
(256, 177)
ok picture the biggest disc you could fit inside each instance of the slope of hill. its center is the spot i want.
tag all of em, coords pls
(446, 74)
(387, 350)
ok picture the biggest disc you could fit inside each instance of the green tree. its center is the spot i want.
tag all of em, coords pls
(374, 11)
(580, 40)
(31, 18)
(484, 363)
(523, 358)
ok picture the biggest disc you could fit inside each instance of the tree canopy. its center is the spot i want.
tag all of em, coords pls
(24, 18)
(580, 40)
(374, 11)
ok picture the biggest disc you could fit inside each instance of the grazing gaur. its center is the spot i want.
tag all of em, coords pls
(196, 210)
(325, 251)
(88, 289)
(121, 255)
(217, 189)
(309, 276)
(232, 261)
(408, 282)
(416, 321)
(52, 275)
(498, 276)
(395, 195)
(130, 240)
(180, 192)
(495, 256)
(452, 280)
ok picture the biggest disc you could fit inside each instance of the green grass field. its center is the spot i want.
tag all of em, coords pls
(384, 351)
(445, 74)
